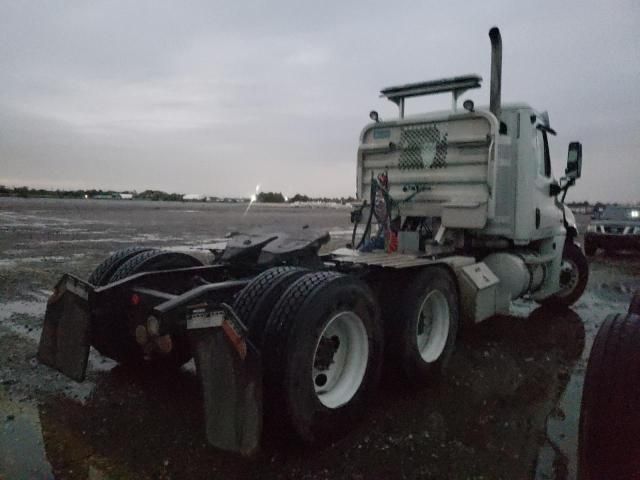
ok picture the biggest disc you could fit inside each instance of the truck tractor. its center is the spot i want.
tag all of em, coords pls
(458, 214)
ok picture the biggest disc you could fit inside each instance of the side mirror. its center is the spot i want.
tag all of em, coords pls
(574, 161)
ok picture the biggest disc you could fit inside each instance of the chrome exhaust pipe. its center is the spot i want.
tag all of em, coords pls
(496, 71)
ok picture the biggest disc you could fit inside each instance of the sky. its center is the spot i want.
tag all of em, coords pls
(216, 97)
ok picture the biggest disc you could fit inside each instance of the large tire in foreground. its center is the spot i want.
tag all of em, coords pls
(574, 275)
(609, 436)
(254, 303)
(422, 324)
(103, 272)
(115, 339)
(322, 354)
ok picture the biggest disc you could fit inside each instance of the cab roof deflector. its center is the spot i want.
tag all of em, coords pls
(456, 85)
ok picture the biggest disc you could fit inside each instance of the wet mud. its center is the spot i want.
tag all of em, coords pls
(507, 408)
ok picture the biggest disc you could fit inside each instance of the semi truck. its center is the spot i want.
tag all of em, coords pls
(458, 214)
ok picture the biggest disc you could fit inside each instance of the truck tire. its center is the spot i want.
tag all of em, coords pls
(609, 431)
(255, 302)
(322, 352)
(115, 340)
(102, 273)
(154, 260)
(423, 325)
(574, 276)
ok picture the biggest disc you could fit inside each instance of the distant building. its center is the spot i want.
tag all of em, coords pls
(126, 196)
(583, 208)
(194, 197)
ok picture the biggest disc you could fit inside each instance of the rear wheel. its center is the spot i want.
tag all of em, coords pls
(423, 325)
(323, 353)
(116, 338)
(154, 260)
(256, 301)
(103, 272)
(609, 434)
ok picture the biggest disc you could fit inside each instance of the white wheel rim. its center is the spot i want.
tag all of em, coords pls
(340, 359)
(432, 329)
(568, 267)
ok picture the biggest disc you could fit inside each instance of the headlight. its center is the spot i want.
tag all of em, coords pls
(635, 213)
(592, 228)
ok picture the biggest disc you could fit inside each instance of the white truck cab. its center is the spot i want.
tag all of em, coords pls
(483, 176)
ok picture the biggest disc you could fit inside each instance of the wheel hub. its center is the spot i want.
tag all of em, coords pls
(569, 277)
(340, 359)
(432, 329)
(326, 351)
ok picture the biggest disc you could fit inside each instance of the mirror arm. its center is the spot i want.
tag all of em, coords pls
(565, 188)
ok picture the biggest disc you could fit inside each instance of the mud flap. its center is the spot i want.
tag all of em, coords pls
(65, 341)
(230, 372)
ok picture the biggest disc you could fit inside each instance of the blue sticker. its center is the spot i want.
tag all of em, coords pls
(381, 133)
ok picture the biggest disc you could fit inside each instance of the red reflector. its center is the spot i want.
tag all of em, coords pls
(236, 340)
(135, 299)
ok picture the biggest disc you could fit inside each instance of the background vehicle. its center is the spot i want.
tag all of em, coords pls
(613, 228)
(458, 216)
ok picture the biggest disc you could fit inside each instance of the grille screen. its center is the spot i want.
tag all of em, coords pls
(422, 147)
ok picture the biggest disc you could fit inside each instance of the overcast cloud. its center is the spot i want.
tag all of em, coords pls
(215, 97)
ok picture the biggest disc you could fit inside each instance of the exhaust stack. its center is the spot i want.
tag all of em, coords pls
(496, 71)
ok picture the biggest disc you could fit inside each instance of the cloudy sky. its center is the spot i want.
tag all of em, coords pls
(215, 97)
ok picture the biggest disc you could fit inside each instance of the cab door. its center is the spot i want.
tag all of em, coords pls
(548, 212)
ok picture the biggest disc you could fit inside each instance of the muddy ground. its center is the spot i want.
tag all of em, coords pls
(507, 409)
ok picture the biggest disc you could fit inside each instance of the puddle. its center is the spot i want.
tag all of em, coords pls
(14, 262)
(19, 307)
(22, 450)
(154, 237)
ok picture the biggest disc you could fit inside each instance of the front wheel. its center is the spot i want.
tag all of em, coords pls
(574, 274)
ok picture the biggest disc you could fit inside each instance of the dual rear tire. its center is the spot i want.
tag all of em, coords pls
(321, 348)
(322, 342)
